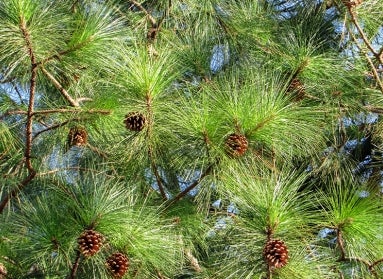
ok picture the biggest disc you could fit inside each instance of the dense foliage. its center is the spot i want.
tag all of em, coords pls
(191, 139)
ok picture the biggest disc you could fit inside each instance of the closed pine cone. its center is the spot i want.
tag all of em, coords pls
(276, 253)
(90, 242)
(135, 121)
(236, 145)
(117, 264)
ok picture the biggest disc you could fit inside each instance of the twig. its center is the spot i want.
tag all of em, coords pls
(73, 271)
(374, 109)
(192, 185)
(371, 267)
(97, 151)
(150, 148)
(73, 7)
(339, 240)
(15, 191)
(156, 174)
(343, 258)
(150, 17)
(49, 111)
(59, 87)
(193, 261)
(362, 34)
(65, 52)
(374, 71)
(53, 127)
(18, 92)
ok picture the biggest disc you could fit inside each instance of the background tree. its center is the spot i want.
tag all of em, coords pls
(191, 139)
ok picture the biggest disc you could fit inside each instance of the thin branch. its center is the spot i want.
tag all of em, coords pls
(362, 34)
(18, 92)
(73, 102)
(192, 185)
(97, 151)
(372, 66)
(157, 175)
(370, 108)
(53, 127)
(51, 111)
(150, 17)
(343, 258)
(377, 262)
(15, 191)
(356, 259)
(193, 261)
(365, 262)
(5, 78)
(65, 52)
(73, 7)
(75, 265)
(150, 148)
(261, 124)
(340, 242)
(371, 267)
(380, 53)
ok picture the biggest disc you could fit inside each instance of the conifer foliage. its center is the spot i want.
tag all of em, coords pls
(191, 139)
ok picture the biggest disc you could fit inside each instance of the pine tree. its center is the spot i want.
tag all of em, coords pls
(191, 139)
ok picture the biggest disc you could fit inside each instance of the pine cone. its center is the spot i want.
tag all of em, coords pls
(3, 271)
(118, 264)
(77, 136)
(297, 89)
(90, 242)
(236, 145)
(135, 121)
(276, 253)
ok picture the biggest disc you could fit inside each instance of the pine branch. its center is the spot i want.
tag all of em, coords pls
(372, 66)
(52, 111)
(32, 89)
(16, 191)
(372, 266)
(17, 91)
(66, 51)
(362, 34)
(91, 111)
(75, 266)
(53, 127)
(73, 7)
(97, 151)
(73, 102)
(340, 243)
(29, 124)
(150, 17)
(157, 175)
(192, 185)
(343, 257)
(370, 108)
(193, 261)
(150, 148)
